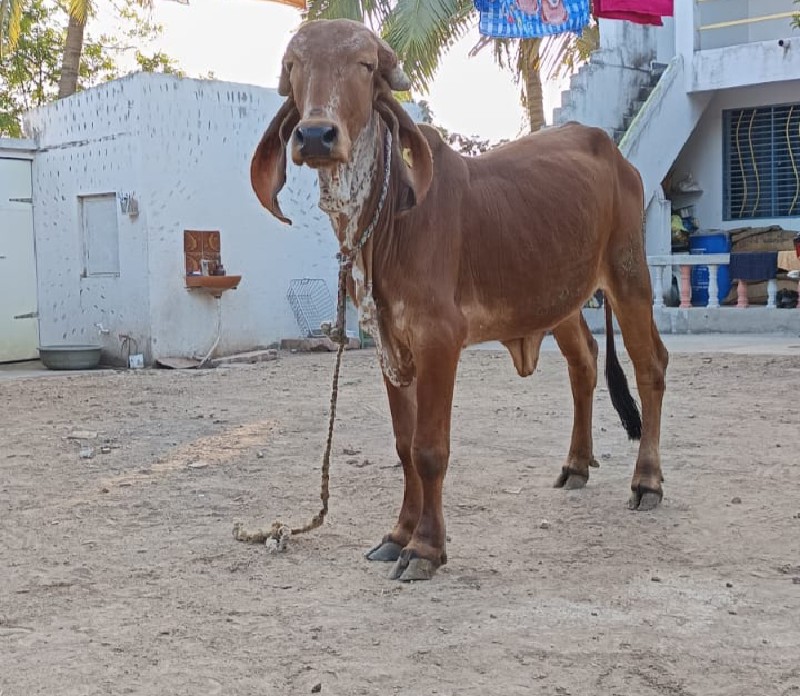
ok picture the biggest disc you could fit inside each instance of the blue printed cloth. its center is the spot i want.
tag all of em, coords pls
(531, 19)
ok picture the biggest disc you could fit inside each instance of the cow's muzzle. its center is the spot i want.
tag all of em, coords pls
(316, 143)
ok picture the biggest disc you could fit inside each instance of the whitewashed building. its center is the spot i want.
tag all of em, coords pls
(676, 98)
(119, 173)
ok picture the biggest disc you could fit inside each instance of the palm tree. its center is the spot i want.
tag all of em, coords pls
(73, 47)
(421, 32)
(532, 60)
(10, 19)
(79, 11)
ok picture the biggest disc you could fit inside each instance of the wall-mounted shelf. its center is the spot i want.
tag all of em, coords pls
(214, 285)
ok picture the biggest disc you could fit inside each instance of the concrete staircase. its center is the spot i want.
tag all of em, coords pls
(656, 71)
(589, 101)
(616, 80)
(660, 127)
(644, 106)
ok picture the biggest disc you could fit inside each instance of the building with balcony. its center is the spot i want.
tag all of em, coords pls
(708, 109)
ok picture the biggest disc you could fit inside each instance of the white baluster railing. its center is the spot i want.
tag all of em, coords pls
(685, 262)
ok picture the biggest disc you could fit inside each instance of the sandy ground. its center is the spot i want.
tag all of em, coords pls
(119, 573)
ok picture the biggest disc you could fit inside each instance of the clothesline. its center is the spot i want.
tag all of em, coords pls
(528, 19)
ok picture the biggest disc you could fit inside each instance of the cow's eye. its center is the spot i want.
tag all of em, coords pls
(369, 66)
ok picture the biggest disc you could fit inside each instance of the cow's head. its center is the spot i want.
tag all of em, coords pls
(338, 78)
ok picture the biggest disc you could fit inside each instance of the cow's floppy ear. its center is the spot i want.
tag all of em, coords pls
(268, 166)
(390, 70)
(284, 86)
(411, 150)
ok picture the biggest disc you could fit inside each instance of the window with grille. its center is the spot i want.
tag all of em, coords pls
(762, 162)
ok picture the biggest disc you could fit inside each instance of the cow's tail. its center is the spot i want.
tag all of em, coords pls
(621, 397)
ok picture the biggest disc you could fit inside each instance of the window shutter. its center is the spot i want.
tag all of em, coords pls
(762, 162)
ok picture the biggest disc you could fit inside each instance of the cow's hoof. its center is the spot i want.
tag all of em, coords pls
(387, 550)
(570, 481)
(410, 570)
(643, 499)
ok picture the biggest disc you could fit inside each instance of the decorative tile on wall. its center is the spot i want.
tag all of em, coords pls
(199, 245)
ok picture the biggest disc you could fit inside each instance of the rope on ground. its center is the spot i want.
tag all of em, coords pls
(277, 536)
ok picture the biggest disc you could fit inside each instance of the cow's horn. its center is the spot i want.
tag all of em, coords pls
(398, 80)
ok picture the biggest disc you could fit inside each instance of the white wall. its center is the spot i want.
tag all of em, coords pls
(198, 139)
(747, 64)
(184, 148)
(603, 89)
(87, 144)
(703, 153)
(712, 12)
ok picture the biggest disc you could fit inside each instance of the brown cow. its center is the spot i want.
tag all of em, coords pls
(449, 251)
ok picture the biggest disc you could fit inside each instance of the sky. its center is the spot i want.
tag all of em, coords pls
(244, 40)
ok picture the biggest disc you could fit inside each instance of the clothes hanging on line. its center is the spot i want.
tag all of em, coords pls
(531, 19)
(638, 11)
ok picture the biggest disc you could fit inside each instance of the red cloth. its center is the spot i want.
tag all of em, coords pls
(639, 11)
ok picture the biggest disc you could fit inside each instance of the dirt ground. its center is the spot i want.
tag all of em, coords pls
(119, 574)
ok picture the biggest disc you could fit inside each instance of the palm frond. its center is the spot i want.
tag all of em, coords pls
(10, 24)
(79, 10)
(557, 55)
(334, 9)
(421, 32)
(561, 55)
(504, 51)
(15, 22)
(373, 12)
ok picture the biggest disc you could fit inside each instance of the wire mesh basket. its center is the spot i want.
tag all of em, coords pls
(312, 305)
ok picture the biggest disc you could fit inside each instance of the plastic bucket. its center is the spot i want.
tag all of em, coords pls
(709, 244)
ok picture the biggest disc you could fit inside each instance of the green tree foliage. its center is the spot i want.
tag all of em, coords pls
(29, 75)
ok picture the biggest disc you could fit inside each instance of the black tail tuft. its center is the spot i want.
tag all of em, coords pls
(621, 398)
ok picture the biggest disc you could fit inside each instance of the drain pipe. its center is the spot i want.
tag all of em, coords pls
(205, 360)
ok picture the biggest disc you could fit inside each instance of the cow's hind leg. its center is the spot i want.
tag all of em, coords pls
(630, 295)
(403, 407)
(580, 350)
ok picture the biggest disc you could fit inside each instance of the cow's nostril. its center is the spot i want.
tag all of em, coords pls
(316, 140)
(329, 135)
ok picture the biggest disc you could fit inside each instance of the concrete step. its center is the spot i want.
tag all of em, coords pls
(249, 358)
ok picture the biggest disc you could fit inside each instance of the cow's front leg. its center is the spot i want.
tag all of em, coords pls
(403, 407)
(430, 452)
